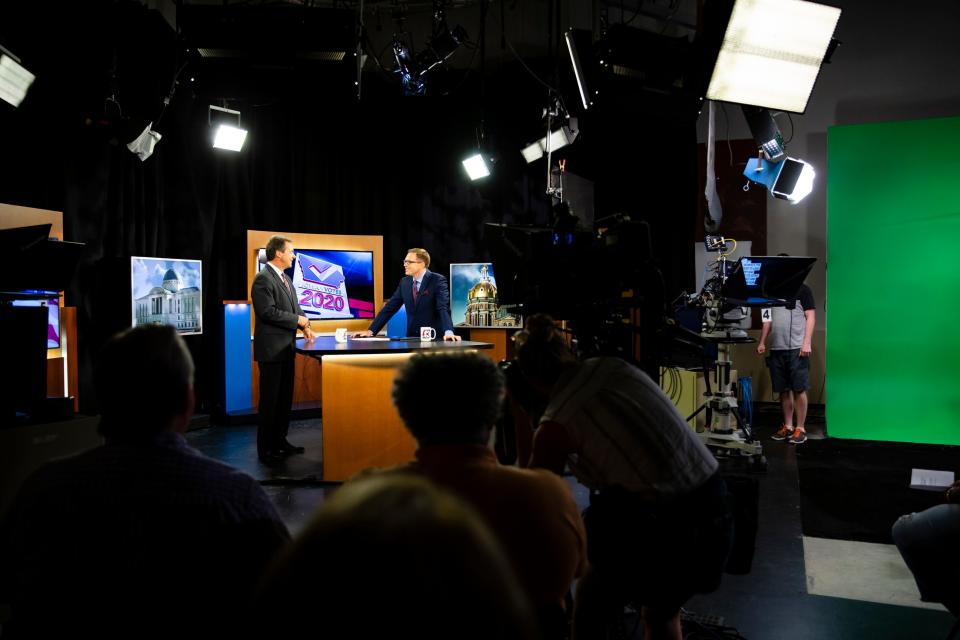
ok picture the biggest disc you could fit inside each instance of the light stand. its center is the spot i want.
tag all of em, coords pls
(552, 111)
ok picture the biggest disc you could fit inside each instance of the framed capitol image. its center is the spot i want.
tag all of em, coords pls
(473, 298)
(167, 291)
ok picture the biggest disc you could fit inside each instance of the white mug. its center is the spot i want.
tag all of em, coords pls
(427, 333)
(341, 334)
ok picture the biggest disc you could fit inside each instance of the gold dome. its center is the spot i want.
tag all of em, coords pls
(483, 289)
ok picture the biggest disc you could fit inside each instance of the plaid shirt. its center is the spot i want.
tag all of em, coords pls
(151, 531)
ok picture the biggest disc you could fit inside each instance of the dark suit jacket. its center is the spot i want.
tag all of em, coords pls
(277, 312)
(432, 308)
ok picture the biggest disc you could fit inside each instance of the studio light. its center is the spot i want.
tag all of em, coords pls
(559, 138)
(789, 179)
(442, 44)
(14, 78)
(576, 41)
(407, 69)
(794, 181)
(227, 136)
(476, 167)
(771, 53)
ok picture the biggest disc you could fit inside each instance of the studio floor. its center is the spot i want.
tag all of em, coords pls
(798, 588)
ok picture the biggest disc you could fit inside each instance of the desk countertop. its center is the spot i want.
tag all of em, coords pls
(327, 345)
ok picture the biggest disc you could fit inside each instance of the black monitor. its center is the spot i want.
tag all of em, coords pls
(52, 263)
(766, 281)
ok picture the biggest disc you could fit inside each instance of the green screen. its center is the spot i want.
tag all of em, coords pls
(893, 281)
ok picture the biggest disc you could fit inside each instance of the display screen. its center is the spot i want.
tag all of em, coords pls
(167, 291)
(332, 284)
(758, 281)
(53, 318)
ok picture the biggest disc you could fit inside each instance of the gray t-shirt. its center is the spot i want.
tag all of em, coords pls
(790, 323)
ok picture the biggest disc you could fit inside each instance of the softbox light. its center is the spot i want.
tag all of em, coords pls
(14, 79)
(771, 53)
(228, 134)
(476, 167)
(559, 137)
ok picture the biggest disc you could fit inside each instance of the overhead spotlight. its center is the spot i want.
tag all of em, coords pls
(476, 167)
(14, 78)
(772, 52)
(407, 69)
(442, 44)
(794, 181)
(578, 40)
(443, 41)
(558, 138)
(226, 136)
(789, 179)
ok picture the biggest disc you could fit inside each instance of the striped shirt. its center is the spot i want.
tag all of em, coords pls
(626, 432)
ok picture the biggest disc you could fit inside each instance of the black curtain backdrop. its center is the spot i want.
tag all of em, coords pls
(315, 161)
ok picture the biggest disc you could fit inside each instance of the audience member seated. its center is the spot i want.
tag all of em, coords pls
(394, 556)
(532, 512)
(143, 536)
(658, 526)
(929, 542)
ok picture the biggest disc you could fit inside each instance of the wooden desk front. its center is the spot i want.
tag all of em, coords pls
(361, 427)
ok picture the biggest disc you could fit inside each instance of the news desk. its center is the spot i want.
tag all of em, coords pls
(361, 427)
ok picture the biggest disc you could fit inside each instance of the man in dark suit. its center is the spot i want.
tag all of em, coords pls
(424, 294)
(274, 338)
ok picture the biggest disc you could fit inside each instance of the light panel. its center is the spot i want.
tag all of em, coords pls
(804, 184)
(771, 54)
(14, 80)
(532, 152)
(229, 138)
(476, 167)
(559, 138)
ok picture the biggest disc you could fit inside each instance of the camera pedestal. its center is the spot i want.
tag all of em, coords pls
(726, 434)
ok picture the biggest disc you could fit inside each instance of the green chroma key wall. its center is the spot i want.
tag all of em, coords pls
(893, 281)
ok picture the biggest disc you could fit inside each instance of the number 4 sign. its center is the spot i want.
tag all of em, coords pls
(766, 315)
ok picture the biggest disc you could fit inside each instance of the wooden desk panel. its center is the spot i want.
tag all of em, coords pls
(499, 338)
(361, 427)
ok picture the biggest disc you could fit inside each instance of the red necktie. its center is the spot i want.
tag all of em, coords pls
(286, 284)
(414, 290)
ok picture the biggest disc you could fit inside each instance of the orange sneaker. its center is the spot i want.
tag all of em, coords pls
(799, 436)
(784, 433)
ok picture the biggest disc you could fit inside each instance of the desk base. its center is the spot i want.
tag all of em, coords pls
(361, 427)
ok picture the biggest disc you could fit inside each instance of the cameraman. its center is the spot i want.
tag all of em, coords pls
(658, 525)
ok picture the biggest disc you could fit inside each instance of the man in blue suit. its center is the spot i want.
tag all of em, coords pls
(425, 295)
